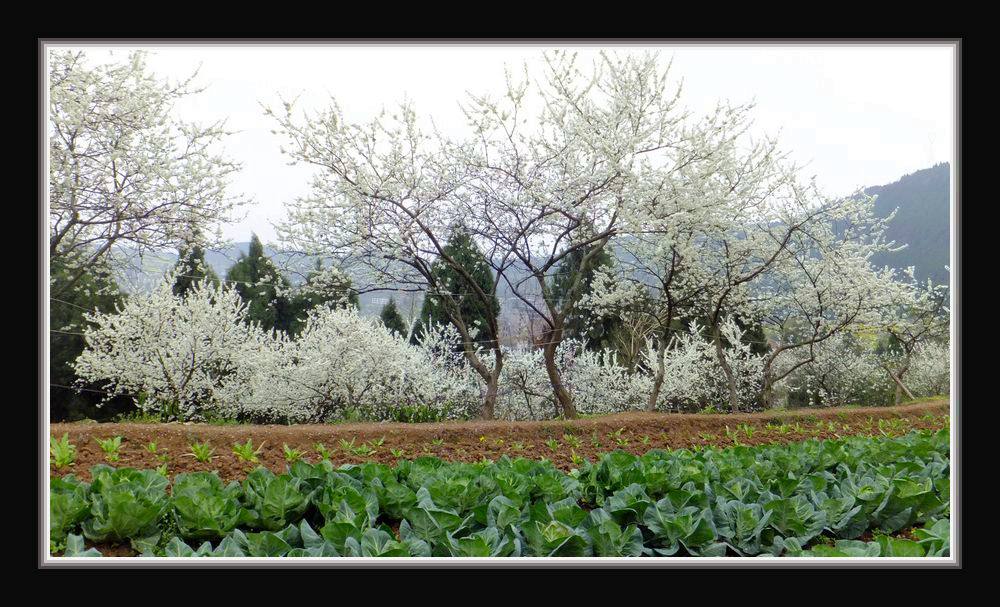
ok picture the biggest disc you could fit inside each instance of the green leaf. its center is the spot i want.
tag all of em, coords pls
(75, 547)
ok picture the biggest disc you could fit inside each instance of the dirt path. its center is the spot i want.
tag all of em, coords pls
(472, 441)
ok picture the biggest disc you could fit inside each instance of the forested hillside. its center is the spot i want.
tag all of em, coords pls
(922, 222)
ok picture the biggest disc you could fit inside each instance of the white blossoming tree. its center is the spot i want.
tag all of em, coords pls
(919, 316)
(346, 362)
(123, 170)
(567, 167)
(182, 355)
(383, 198)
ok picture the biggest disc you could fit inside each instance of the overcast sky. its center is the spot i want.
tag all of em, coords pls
(856, 115)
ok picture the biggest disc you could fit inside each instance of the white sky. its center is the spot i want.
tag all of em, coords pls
(857, 115)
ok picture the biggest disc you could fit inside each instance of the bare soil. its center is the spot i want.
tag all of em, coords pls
(474, 440)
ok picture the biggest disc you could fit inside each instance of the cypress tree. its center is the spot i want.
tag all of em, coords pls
(581, 324)
(392, 320)
(474, 312)
(258, 282)
(192, 268)
(316, 292)
(96, 289)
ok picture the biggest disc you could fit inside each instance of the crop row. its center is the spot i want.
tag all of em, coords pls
(811, 498)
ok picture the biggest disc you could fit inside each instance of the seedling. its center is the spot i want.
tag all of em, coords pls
(162, 470)
(246, 451)
(163, 458)
(202, 452)
(576, 459)
(645, 440)
(595, 441)
(63, 452)
(518, 446)
(747, 429)
(482, 439)
(571, 440)
(320, 448)
(111, 447)
(151, 447)
(363, 449)
(437, 442)
(378, 442)
(291, 455)
(552, 444)
(397, 453)
(707, 436)
(346, 446)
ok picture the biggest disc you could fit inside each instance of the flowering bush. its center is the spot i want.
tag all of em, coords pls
(596, 381)
(191, 355)
(693, 376)
(180, 355)
(848, 370)
(345, 362)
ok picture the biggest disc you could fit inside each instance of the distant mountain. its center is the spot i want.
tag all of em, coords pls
(922, 221)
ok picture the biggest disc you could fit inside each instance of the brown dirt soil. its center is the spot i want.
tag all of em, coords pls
(472, 441)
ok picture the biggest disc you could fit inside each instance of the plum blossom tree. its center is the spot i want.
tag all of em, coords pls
(123, 170)
(375, 370)
(918, 316)
(657, 282)
(383, 198)
(178, 355)
(189, 355)
(826, 286)
(607, 146)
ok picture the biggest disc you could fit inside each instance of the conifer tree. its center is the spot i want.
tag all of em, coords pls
(582, 324)
(464, 251)
(391, 318)
(192, 268)
(264, 288)
(94, 290)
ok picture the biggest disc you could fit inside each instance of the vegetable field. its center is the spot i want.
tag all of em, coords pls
(854, 496)
(204, 447)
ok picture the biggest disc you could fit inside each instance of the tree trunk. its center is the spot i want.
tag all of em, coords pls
(563, 398)
(488, 410)
(901, 387)
(661, 349)
(489, 402)
(767, 391)
(898, 378)
(490, 376)
(734, 399)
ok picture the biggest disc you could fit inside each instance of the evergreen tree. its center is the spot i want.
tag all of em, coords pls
(474, 312)
(391, 318)
(193, 268)
(323, 287)
(581, 324)
(96, 289)
(264, 288)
